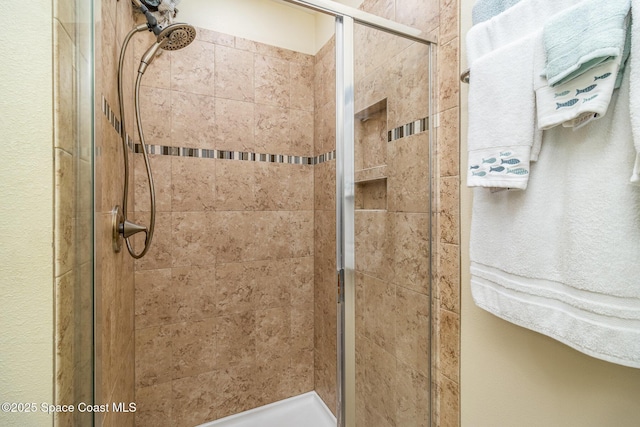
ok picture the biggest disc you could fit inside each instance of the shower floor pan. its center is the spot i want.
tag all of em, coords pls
(305, 410)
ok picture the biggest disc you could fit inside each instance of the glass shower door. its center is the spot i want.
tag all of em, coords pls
(386, 232)
(74, 207)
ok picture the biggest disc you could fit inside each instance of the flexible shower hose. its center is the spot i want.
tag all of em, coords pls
(125, 149)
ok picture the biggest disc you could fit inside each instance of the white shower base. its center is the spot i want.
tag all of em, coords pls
(305, 410)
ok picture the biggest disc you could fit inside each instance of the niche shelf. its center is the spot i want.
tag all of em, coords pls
(371, 195)
(371, 174)
(371, 157)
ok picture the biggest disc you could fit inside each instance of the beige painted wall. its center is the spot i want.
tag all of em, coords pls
(273, 22)
(26, 216)
(266, 21)
(511, 376)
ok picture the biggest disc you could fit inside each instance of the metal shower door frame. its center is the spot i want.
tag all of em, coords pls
(345, 19)
(345, 218)
(345, 211)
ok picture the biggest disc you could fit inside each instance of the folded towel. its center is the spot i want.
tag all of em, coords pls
(634, 101)
(502, 127)
(524, 18)
(483, 10)
(562, 257)
(577, 102)
(584, 36)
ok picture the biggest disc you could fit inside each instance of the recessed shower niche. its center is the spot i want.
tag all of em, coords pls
(371, 157)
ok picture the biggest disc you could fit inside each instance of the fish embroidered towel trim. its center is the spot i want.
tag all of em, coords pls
(506, 167)
(578, 102)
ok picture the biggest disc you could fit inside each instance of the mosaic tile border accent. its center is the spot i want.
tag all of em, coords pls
(203, 153)
(409, 129)
(413, 128)
(164, 150)
(111, 117)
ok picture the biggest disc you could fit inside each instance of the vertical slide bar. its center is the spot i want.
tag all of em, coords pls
(345, 219)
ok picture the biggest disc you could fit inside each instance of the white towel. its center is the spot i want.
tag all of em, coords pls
(562, 257)
(634, 102)
(483, 10)
(584, 36)
(502, 125)
(577, 102)
(522, 19)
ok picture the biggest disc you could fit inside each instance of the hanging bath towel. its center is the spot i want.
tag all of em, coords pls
(563, 258)
(525, 18)
(502, 129)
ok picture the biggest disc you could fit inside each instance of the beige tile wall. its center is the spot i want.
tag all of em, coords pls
(224, 299)
(446, 305)
(441, 19)
(114, 284)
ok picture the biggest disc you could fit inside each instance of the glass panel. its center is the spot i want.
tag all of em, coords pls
(392, 227)
(84, 325)
(74, 209)
(325, 314)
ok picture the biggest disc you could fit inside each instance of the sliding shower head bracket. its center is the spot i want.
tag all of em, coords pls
(152, 5)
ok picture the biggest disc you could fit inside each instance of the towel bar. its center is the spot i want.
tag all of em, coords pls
(465, 76)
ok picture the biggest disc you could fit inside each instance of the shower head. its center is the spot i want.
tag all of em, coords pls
(172, 37)
(176, 36)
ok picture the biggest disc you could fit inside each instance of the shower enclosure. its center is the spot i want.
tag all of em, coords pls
(292, 247)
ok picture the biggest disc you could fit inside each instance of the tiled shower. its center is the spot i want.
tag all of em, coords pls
(224, 300)
(235, 303)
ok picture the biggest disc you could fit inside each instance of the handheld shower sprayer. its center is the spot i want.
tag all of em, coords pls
(171, 37)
